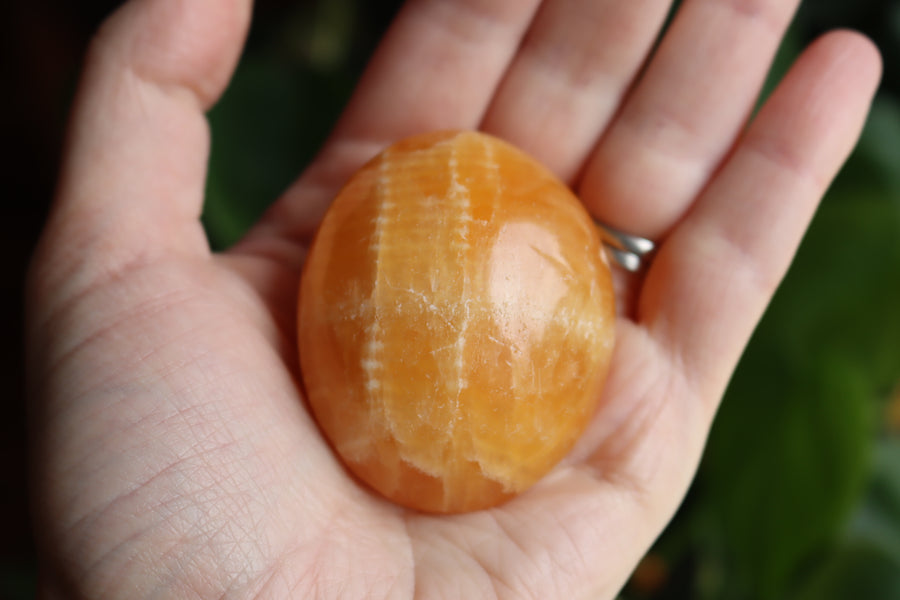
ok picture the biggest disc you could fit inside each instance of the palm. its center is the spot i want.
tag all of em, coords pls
(176, 452)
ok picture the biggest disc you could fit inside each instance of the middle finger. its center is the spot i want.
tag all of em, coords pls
(574, 66)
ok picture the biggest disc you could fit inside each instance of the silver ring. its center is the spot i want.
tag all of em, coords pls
(629, 251)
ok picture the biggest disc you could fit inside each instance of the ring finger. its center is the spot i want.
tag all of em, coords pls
(684, 114)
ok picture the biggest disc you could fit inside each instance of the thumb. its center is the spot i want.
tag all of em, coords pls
(133, 172)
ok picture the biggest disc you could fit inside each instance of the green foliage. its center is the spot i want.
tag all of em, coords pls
(877, 518)
(265, 129)
(856, 571)
(786, 464)
(286, 93)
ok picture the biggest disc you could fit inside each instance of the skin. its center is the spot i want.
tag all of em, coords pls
(174, 456)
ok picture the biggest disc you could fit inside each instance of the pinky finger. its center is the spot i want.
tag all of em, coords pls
(716, 273)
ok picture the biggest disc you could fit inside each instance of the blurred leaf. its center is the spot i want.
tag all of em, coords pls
(858, 571)
(787, 461)
(867, 564)
(265, 130)
(790, 450)
(840, 300)
(877, 521)
(323, 36)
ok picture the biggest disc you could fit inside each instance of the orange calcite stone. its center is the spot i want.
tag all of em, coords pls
(455, 322)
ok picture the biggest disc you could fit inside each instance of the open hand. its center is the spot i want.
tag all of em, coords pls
(174, 456)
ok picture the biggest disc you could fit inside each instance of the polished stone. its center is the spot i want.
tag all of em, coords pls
(456, 321)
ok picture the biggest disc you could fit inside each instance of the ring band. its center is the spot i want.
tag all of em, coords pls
(629, 251)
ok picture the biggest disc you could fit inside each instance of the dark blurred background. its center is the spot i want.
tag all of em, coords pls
(799, 493)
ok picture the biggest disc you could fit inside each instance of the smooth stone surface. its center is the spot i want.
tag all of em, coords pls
(456, 321)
